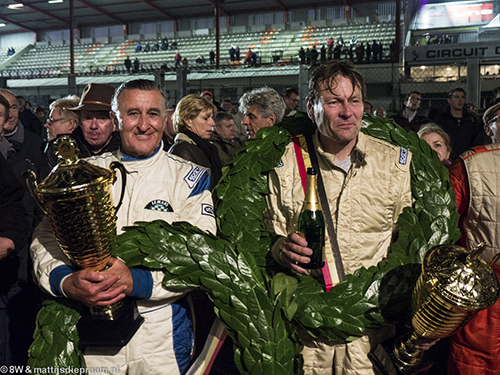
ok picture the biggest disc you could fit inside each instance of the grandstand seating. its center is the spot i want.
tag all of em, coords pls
(272, 46)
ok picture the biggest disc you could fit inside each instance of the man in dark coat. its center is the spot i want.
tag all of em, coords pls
(464, 129)
(409, 119)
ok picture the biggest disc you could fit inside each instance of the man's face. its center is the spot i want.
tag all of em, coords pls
(11, 124)
(380, 112)
(338, 113)
(254, 121)
(20, 104)
(56, 124)
(492, 128)
(291, 101)
(97, 128)
(226, 106)
(169, 127)
(141, 118)
(457, 101)
(413, 102)
(225, 129)
(3, 117)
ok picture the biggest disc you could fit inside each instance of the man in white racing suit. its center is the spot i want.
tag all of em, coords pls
(159, 186)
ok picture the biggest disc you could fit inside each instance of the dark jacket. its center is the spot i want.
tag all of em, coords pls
(464, 134)
(413, 125)
(187, 149)
(227, 149)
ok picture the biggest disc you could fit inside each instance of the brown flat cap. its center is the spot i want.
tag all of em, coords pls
(490, 113)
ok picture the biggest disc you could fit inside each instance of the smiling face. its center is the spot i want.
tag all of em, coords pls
(291, 101)
(254, 121)
(438, 144)
(4, 115)
(97, 128)
(141, 118)
(11, 123)
(201, 125)
(338, 114)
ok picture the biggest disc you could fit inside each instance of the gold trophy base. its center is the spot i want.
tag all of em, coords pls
(98, 330)
(405, 358)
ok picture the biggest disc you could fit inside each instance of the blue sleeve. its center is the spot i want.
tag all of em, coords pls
(143, 283)
(202, 185)
(56, 277)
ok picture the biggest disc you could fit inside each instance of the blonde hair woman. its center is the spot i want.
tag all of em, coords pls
(193, 123)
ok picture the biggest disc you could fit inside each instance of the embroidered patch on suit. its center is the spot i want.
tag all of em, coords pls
(159, 205)
(403, 156)
(207, 209)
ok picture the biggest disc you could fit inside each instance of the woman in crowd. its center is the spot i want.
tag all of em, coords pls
(193, 122)
(439, 141)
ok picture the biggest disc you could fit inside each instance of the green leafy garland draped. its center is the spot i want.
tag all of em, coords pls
(260, 304)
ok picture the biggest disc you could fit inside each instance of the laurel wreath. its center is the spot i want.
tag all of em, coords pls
(260, 303)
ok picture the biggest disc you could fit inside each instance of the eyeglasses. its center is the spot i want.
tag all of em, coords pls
(52, 121)
(493, 120)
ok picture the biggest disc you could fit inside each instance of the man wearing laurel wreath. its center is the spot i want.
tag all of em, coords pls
(367, 185)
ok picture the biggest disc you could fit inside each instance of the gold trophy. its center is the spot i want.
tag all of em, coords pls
(76, 197)
(454, 285)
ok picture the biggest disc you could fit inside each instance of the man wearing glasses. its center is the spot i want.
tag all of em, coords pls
(474, 176)
(87, 120)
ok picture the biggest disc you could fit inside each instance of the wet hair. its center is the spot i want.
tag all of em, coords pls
(267, 100)
(138, 84)
(330, 70)
(190, 107)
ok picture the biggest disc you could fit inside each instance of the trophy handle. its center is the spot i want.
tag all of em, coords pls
(117, 165)
(29, 181)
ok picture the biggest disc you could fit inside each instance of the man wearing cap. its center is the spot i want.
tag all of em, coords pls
(209, 97)
(160, 186)
(474, 177)
(96, 133)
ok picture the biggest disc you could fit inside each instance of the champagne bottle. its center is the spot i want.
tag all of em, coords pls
(312, 223)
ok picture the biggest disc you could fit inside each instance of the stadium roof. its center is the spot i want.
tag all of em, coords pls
(37, 15)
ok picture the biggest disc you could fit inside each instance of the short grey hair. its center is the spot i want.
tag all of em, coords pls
(138, 84)
(267, 100)
(70, 101)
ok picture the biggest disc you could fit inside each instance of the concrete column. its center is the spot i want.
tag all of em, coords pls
(303, 86)
(473, 82)
(160, 77)
(181, 84)
(72, 85)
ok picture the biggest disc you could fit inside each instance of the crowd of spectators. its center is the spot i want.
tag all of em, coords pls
(353, 50)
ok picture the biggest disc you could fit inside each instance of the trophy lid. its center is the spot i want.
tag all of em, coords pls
(461, 276)
(71, 173)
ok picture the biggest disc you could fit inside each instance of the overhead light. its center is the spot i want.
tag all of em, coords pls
(422, 67)
(448, 68)
(55, 1)
(14, 6)
(2, 24)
